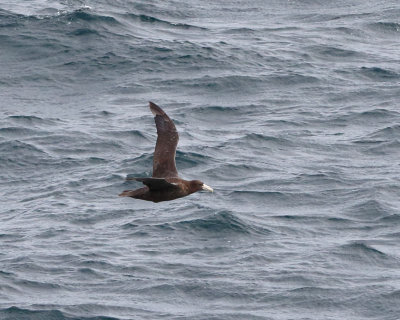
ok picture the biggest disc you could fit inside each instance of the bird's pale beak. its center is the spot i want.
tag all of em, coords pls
(207, 188)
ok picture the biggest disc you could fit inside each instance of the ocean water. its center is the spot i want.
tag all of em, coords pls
(289, 109)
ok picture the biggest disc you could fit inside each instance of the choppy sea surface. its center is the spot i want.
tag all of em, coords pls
(289, 109)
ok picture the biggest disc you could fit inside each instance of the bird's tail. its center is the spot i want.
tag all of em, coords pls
(138, 193)
(127, 193)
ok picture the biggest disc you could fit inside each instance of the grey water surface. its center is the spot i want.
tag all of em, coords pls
(289, 109)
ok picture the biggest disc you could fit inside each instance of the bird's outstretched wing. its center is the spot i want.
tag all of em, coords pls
(155, 183)
(167, 140)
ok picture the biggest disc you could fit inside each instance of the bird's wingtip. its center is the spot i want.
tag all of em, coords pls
(155, 109)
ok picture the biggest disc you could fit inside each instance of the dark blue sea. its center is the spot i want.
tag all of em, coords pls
(289, 109)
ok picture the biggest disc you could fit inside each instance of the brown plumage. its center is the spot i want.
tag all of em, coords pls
(165, 184)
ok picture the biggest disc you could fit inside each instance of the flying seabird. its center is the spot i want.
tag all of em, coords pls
(165, 184)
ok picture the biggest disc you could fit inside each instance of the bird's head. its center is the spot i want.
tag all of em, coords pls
(197, 185)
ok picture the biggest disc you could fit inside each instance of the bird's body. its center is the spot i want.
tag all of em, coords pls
(165, 184)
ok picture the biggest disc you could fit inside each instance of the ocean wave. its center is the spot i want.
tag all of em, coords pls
(369, 210)
(44, 195)
(16, 149)
(292, 79)
(84, 32)
(235, 172)
(381, 140)
(217, 110)
(186, 160)
(246, 31)
(258, 140)
(18, 132)
(25, 284)
(377, 73)
(227, 115)
(352, 32)
(385, 27)
(391, 218)
(274, 197)
(8, 19)
(360, 252)
(78, 15)
(324, 17)
(135, 135)
(76, 144)
(140, 164)
(157, 21)
(222, 223)
(330, 52)
(385, 148)
(216, 83)
(53, 314)
(32, 121)
(321, 178)
(373, 114)
(88, 15)
(387, 133)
